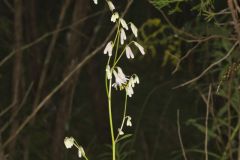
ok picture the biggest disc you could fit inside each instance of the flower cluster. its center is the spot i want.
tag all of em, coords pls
(121, 80)
(69, 142)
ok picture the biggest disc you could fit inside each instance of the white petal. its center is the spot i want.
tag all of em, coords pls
(141, 49)
(118, 80)
(129, 52)
(129, 90)
(121, 74)
(123, 36)
(114, 17)
(95, 1)
(136, 79)
(79, 153)
(123, 23)
(108, 72)
(68, 142)
(129, 123)
(110, 5)
(120, 132)
(108, 49)
(134, 29)
(131, 82)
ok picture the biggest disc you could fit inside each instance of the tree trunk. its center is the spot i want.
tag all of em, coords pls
(17, 69)
(67, 92)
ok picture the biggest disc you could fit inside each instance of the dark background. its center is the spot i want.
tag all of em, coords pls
(42, 42)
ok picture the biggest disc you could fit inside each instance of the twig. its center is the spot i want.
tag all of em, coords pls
(180, 137)
(206, 123)
(46, 35)
(185, 56)
(175, 28)
(18, 109)
(50, 53)
(208, 68)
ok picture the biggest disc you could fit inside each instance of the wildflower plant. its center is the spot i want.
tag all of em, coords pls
(115, 78)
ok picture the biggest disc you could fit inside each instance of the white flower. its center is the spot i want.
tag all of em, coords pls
(141, 49)
(95, 1)
(129, 52)
(114, 17)
(131, 82)
(68, 141)
(129, 123)
(108, 49)
(123, 23)
(120, 132)
(121, 74)
(136, 79)
(134, 29)
(81, 152)
(108, 72)
(110, 5)
(129, 90)
(123, 36)
(120, 77)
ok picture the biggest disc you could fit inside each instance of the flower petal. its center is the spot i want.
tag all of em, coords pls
(123, 36)
(129, 52)
(68, 142)
(108, 49)
(108, 72)
(129, 123)
(114, 17)
(95, 1)
(120, 132)
(110, 5)
(141, 49)
(134, 29)
(123, 23)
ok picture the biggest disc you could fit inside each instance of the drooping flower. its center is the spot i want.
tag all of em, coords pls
(141, 49)
(108, 72)
(108, 49)
(81, 152)
(129, 123)
(131, 82)
(134, 29)
(121, 74)
(123, 36)
(120, 77)
(110, 5)
(129, 90)
(95, 1)
(136, 79)
(68, 142)
(114, 17)
(123, 23)
(120, 132)
(129, 52)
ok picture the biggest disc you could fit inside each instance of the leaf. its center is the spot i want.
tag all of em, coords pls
(124, 137)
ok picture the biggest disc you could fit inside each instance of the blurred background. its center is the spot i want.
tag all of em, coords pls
(52, 79)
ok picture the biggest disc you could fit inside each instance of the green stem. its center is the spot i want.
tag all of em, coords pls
(124, 116)
(121, 54)
(111, 121)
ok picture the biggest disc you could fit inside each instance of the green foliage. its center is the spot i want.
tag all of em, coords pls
(159, 37)
(159, 4)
